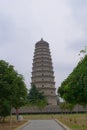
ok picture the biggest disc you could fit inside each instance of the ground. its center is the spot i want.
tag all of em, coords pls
(74, 121)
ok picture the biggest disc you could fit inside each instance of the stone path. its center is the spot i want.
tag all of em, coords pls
(42, 125)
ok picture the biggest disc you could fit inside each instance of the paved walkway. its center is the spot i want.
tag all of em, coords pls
(42, 125)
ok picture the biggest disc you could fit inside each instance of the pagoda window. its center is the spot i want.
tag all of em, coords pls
(42, 85)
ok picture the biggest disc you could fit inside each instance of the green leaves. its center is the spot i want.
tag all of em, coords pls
(36, 98)
(74, 88)
(13, 90)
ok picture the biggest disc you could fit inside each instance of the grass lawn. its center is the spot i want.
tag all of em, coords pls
(73, 121)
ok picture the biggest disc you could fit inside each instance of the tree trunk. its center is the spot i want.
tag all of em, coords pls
(17, 114)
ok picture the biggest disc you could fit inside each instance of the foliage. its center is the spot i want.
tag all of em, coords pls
(66, 106)
(74, 88)
(20, 92)
(83, 52)
(12, 88)
(36, 98)
(4, 110)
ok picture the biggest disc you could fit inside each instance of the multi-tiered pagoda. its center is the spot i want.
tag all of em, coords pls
(42, 71)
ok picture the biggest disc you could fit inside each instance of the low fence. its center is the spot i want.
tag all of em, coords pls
(49, 110)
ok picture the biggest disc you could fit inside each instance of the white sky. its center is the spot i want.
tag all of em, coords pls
(62, 23)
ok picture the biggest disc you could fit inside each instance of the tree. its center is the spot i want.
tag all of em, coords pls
(36, 98)
(83, 52)
(4, 110)
(13, 90)
(74, 88)
(66, 107)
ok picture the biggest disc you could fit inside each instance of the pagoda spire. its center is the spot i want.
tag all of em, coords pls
(41, 39)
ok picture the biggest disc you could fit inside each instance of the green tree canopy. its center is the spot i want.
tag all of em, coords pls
(13, 90)
(74, 88)
(36, 98)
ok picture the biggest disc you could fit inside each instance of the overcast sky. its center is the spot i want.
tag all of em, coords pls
(62, 23)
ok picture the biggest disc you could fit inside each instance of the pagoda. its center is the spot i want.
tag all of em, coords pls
(42, 71)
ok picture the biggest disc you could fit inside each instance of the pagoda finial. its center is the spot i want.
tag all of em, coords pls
(41, 39)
